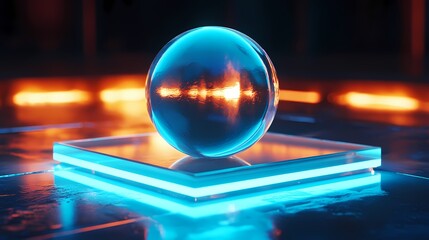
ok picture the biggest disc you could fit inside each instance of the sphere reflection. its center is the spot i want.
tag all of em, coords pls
(196, 165)
(212, 92)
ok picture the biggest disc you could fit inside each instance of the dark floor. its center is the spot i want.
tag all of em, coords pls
(34, 204)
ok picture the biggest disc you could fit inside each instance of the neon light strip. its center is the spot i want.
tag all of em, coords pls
(123, 191)
(221, 207)
(219, 188)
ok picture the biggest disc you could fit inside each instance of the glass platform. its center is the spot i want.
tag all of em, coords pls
(147, 162)
(295, 198)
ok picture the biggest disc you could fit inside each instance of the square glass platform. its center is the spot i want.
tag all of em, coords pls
(277, 160)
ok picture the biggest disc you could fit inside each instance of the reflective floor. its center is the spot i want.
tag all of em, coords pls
(36, 204)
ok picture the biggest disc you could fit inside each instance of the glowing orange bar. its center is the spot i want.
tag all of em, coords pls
(193, 93)
(227, 93)
(249, 93)
(299, 96)
(379, 102)
(169, 92)
(27, 98)
(122, 95)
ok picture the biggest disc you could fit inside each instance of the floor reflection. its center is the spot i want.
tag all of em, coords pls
(196, 165)
(233, 225)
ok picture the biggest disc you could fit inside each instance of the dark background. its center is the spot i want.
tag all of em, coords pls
(328, 47)
(369, 39)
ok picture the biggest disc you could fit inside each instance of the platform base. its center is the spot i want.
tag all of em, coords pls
(145, 161)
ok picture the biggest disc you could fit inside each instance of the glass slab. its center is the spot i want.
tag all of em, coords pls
(277, 160)
(355, 186)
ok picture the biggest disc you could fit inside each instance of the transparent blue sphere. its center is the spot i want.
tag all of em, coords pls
(212, 92)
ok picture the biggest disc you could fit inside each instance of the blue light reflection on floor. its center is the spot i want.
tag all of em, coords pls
(66, 213)
(296, 118)
(219, 188)
(255, 200)
(44, 127)
(235, 225)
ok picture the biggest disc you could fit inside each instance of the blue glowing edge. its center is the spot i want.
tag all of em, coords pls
(264, 199)
(217, 185)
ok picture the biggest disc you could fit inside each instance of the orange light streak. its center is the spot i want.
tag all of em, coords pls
(228, 88)
(249, 93)
(122, 95)
(90, 228)
(169, 92)
(228, 93)
(193, 93)
(27, 98)
(379, 102)
(203, 95)
(234, 93)
(299, 96)
(231, 93)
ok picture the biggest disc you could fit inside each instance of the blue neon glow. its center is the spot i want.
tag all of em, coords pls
(219, 188)
(67, 213)
(44, 127)
(296, 118)
(254, 200)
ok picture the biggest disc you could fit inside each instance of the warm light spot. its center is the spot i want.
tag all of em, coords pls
(122, 95)
(169, 92)
(193, 93)
(203, 94)
(299, 96)
(216, 93)
(227, 93)
(379, 102)
(26, 98)
(249, 93)
(232, 93)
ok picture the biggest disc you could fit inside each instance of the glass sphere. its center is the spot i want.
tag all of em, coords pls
(212, 92)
